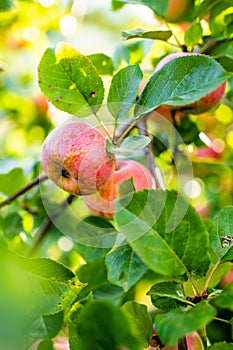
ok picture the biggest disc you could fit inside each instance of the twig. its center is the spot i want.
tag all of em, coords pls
(148, 151)
(48, 223)
(24, 190)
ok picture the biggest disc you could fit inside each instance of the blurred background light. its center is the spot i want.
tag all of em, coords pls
(68, 25)
(193, 188)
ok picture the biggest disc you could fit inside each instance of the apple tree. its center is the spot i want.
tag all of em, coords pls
(116, 211)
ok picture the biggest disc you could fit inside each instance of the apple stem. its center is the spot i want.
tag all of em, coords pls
(103, 126)
(210, 276)
(48, 223)
(24, 189)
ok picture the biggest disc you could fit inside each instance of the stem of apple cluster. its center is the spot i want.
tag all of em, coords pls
(210, 276)
(204, 338)
(103, 126)
(24, 189)
(48, 223)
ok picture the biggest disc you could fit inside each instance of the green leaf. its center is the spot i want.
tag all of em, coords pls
(225, 298)
(221, 19)
(101, 325)
(129, 146)
(165, 232)
(159, 7)
(102, 62)
(180, 82)
(46, 326)
(167, 295)
(96, 236)
(143, 34)
(95, 275)
(189, 132)
(176, 323)
(221, 346)
(224, 48)
(193, 34)
(116, 5)
(70, 81)
(221, 234)
(49, 287)
(124, 267)
(46, 345)
(12, 181)
(11, 225)
(5, 5)
(123, 91)
(204, 8)
(140, 320)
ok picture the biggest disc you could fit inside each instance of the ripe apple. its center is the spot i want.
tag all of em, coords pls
(207, 152)
(102, 202)
(193, 341)
(177, 10)
(205, 103)
(74, 157)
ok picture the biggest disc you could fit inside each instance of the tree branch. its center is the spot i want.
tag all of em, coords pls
(48, 223)
(23, 190)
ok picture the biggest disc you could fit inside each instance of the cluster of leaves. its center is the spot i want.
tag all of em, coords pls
(181, 259)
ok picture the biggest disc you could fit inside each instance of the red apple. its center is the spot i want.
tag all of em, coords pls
(74, 157)
(208, 152)
(193, 341)
(205, 103)
(102, 202)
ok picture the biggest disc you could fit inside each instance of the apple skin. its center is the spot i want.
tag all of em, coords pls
(102, 202)
(205, 103)
(193, 341)
(74, 157)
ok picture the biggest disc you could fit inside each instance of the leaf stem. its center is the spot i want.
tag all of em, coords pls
(103, 126)
(48, 223)
(222, 320)
(210, 276)
(23, 190)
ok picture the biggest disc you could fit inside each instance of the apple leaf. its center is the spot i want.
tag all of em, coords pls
(182, 81)
(116, 5)
(12, 181)
(193, 34)
(123, 90)
(158, 6)
(167, 295)
(5, 5)
(176, 323)
(49, 287)
(94, 274)
(124, 267)
(221, 234)
(101, 325)
(70, 80)
(129, 146)
(102, 62)
(143, 34)
(96, 236)
(221, 18)
(140, 320)
(224, 48)
(145, 223)
(225, 299)
(46, 326)
(221, 346)
(203, 8)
